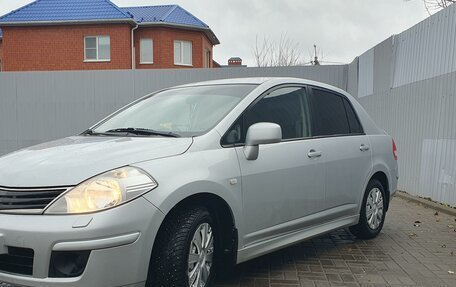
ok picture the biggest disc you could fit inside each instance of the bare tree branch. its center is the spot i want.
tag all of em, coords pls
(435, 5)
(269, 53)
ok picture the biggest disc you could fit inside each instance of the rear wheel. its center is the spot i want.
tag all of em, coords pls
(184, 253)
(373, 212)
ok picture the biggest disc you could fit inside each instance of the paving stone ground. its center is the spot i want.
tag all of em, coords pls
(404, 254)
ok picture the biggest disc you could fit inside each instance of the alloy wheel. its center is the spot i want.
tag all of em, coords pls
(200, 256)
(374, 208)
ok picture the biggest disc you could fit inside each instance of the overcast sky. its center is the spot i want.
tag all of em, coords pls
(341, 29)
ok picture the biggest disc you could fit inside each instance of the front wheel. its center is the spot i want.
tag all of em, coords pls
(373, 212)
(184, 253)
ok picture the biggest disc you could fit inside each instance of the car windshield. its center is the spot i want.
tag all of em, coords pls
(179, 112)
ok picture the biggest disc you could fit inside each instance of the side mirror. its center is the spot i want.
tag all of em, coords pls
(260, 133)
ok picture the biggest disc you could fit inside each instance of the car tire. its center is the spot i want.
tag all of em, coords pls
(373, 212)
(178, 248)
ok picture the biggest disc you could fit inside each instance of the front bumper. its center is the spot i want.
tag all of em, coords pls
(120, 241)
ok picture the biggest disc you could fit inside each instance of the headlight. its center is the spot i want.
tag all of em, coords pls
(104, 191)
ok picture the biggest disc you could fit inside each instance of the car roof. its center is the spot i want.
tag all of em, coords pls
(263, 80)
(253, 81)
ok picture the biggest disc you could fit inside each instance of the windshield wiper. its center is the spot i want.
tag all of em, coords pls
(90, 132)
(142, 131)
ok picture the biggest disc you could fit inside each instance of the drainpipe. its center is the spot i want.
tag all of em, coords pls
(133, 56)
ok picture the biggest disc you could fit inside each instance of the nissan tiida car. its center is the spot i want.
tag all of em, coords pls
(186, 180)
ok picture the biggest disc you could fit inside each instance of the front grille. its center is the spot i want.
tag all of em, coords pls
(27, 199)
(17, 261)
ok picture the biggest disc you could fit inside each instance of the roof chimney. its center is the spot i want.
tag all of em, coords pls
(235, 61)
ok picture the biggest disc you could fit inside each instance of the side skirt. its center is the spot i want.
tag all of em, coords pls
(284, 240)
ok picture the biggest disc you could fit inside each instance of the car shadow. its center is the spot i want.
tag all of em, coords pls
(338, 257)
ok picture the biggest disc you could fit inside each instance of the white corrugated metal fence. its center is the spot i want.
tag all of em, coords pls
(407, 83)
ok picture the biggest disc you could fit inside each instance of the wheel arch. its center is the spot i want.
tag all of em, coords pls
(222, 214)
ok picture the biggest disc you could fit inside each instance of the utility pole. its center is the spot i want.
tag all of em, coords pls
(315, 62)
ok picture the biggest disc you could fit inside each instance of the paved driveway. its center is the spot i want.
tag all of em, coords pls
(405, 254)
(416, 248)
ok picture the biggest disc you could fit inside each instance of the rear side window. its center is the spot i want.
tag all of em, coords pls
(330, 117)
(353, 121)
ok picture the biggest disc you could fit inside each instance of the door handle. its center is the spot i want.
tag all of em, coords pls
(314, 154)
(364, 147)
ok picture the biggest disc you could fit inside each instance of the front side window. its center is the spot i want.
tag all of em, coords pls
(189, 111)
(183, 53)
(97, 48)
(146, 51)
(329, 112)
(287, 107)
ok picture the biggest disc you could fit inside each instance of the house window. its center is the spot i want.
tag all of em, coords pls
(207, 59)
(97, 48)
(183, 53)
(146, 51)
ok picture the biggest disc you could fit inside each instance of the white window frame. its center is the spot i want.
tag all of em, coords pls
(97, 48)
(181, 42)
(140, 51)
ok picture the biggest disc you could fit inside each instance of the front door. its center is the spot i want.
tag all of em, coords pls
(283, 184)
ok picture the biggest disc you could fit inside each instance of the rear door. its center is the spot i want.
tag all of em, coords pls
(346, 150)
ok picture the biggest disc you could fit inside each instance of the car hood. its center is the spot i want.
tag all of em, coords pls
(71, 160)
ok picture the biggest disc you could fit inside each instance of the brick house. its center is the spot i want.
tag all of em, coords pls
(49, 35)
(1, 49)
